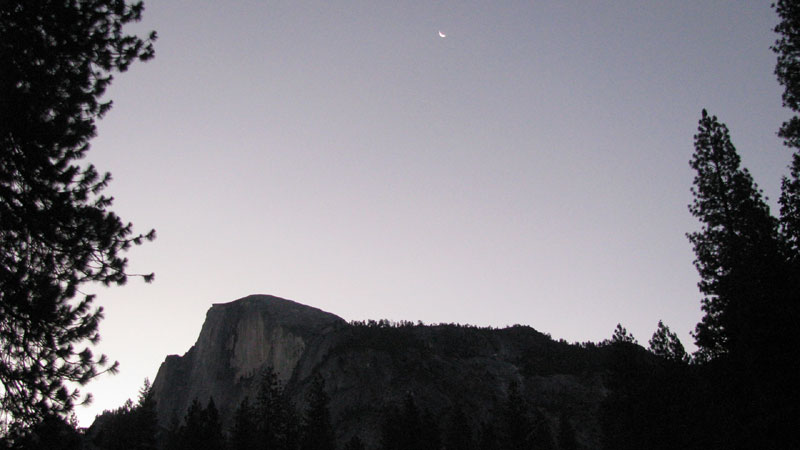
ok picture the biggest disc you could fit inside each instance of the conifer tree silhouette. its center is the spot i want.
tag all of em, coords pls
(57, 232)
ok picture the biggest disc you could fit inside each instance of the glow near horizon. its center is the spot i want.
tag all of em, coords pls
(531, 168)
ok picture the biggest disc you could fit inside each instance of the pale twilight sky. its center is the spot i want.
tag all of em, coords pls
(531, 167)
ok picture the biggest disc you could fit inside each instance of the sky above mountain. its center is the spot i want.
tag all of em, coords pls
(530, 167)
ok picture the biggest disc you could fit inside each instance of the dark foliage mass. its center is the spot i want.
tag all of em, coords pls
(741, 391)
(56, 230)
(272, 422)
(52, 433)
(131, 426)
(787, 47)
(657, 399)
(515, 425)
(316, 426)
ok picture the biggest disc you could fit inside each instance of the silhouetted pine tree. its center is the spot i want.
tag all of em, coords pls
(243, 434)
(785, 397)
(666, 344)
(737, 251)
(212, 435)
(787, 47)
(317, 431)
(129, 427)
(276, 420)
(146, 419)
(621, 335)
(57, 232)
(621, 410)
(751, 289)
(201, 428)
(192, 430)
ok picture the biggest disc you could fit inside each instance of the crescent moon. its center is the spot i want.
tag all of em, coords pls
(442, 34)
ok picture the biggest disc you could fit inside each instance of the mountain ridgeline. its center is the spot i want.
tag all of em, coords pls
(371, 369)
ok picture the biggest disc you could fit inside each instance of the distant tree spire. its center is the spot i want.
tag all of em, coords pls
(621, 335)
(666, 344)
(213, 437)
(146, 417)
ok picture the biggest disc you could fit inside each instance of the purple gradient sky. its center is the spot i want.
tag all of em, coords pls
(531, 168)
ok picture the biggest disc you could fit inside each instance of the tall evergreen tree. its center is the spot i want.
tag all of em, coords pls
(192, 429)
(787, 47)
(276, 419)
(129, 427)
(317, 430)
(212, 432)
(787, 69)
(243, 435)
(146, 419)
(737, 251)
(56, 230)
(783, 368)
(201, 428)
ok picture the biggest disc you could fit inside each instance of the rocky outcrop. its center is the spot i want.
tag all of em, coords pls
(370, 367)
(237, 341)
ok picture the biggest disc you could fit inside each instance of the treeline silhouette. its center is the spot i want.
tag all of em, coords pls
(272, 421)
(658, 398)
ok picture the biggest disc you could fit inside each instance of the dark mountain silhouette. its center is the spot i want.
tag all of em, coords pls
(368, 368)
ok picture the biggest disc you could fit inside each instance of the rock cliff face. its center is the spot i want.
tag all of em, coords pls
(367, 368)
(237, 341)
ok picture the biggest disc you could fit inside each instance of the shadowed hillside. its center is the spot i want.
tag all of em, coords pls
(370, 367)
